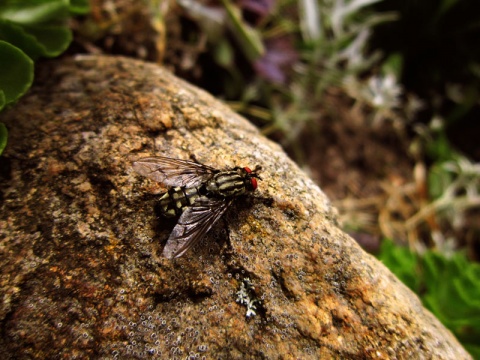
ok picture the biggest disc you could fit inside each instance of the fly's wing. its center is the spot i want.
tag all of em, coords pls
(194, 223)
(173, 172)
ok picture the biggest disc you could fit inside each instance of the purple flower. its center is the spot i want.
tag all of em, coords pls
(261, 8)
(279, 57)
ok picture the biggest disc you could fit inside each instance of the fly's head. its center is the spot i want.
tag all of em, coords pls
(250, 177)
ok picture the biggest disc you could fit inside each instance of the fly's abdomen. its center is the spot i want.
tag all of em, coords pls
(173, 202)
(226, 184)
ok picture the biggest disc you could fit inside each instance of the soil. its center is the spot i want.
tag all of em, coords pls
(356, 165)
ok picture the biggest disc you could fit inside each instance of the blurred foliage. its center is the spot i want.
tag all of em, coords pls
(453, 183)
(314, 46)
(331, 51)
(3, 137)
(438, 43)
(448, 287)
(29, 30)
(352, 45)
(16, 75)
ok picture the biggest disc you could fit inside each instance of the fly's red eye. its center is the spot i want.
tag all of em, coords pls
(247, 170)
(254, 183)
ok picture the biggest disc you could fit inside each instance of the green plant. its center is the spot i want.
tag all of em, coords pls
(326, 47)
(16, 75)
(448, 287)
(437, 41)
(333, 53)
(3, 137)
(453, 189)
(403, 262)
(29, 30)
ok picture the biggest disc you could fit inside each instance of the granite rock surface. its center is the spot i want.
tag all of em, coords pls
(81, 271)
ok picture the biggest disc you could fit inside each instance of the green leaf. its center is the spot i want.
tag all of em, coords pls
(36, 41)
(79, 7)
(450, 288)
(247, 37)
(473, 349)
(452, 294)
(440, 148)
(17, 72)
(53, 39)
(17, 36)
(223, 54)
(438, 180)
(3, 101)
(3, 137)
(402, 262)
(393, 64)
(34, 12)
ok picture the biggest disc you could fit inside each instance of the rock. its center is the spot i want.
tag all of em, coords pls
(82, 274)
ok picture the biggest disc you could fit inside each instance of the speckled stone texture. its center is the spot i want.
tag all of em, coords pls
(81, 269)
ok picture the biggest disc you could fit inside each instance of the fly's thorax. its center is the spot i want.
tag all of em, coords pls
(173, 202)
(229, 183)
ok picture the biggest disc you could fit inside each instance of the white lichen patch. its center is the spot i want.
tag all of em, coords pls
(244, 297)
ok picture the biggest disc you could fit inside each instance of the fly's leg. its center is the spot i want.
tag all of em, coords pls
(194, 159)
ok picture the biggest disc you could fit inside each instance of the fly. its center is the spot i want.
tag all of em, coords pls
(198, 194)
